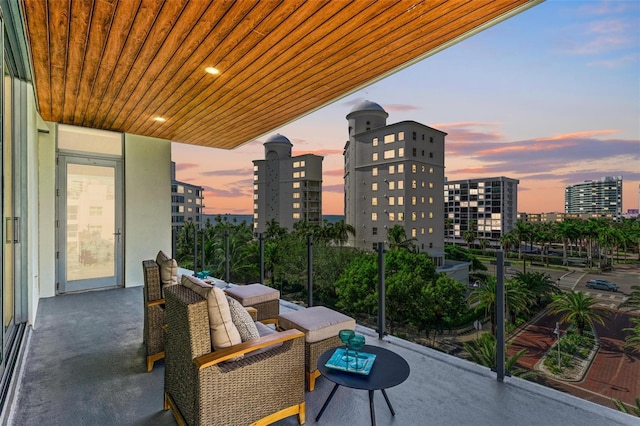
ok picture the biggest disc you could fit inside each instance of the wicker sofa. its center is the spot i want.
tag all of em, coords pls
(206, 387)
(153, 334)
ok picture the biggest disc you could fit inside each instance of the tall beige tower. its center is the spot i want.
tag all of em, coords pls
(393, 175)
(285, 188)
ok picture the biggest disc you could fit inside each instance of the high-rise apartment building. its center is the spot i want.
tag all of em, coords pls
(602, 196)
(187, 201)
(285, 188)
(393, 175)
(488, 207)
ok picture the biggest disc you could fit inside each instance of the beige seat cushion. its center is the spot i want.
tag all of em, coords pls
(223, 332)
(252, 294)
(317, 323)
(168, 269)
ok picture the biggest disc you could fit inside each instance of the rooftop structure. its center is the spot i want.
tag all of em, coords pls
(487, 207)
(602, 196)
(286, 189)
(393, 175)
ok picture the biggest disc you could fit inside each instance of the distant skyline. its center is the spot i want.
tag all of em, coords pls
(550, 97)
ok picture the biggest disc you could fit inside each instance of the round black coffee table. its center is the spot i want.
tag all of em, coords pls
(389, 370)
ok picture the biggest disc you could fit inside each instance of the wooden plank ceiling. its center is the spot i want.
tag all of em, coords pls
(116, 65)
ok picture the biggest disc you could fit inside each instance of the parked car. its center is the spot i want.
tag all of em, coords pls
(600, 284)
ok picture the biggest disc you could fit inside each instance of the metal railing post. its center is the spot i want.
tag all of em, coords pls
(195, 251)
(226, 256)
(310, 269)
(381, 292)
(500, 316)
(261, 238)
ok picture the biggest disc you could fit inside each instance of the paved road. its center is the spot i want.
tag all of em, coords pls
(613, 374)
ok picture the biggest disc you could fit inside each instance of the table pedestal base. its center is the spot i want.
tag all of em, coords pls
(371, 406)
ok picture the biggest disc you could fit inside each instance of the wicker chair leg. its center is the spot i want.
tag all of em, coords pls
(151, 359)
(302, 413)
(311, 379)
(169, 404)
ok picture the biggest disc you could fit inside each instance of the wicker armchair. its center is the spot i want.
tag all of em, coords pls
(153, 313)
(205, 387)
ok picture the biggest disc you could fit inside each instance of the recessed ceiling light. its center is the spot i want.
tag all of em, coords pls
(160, 119)
(212, 70)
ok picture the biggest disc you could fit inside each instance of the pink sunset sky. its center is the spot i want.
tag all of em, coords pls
(550, 97)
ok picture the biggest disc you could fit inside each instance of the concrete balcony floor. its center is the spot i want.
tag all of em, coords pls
(85, 365)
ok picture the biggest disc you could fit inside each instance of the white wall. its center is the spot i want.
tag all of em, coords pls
(147, 199)
(46, 211)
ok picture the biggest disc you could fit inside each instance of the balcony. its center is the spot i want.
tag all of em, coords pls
(84, 364)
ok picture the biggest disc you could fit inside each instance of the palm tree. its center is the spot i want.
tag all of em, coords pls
(621, 407)
(469, 237)
(633, 301)
(341, 231)
(578, 309)
(567, 230)
(483, 351)
(397, 238)
(632, 341)
(508, 241)
(484, 297)
(539, 284)
(522, 232)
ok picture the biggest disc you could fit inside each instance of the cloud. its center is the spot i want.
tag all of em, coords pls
(322, 152)
(614, 63)
(339, 188)
(601, 44)
(333, 172)
(228, 172)
(401, 107)
(237, 189)
(471, 131)
(185, 166)
(583, 134)
(603, 8)
(541, 155)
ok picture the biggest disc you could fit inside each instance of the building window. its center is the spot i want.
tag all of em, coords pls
(392, 184)
(296, 175)
(392, 201)
(374, 142)
(374, 216)
(296, 185)
(303, 174)
(255, 207)
(414, 216)
(430, 215)
(414, 168)
(430, 200)
(431, 230)
(431, 170)
(400, 136)
(421, 215)
(414, 152)
(400, 216)
(296, 164)
(392, 217)
(421, 231)
(431, 185)
(255, 215)
(414, 184)
(401, 168)
(431, 139)
(422, 183)
(389, 154)
(296, 195)
(374, 186)
(401, 201)
(414, 135)
(400, 152)
(390, 138)
(302, 163)
(180, 189)
(413, 232)
(431, 155)
(255, 168)
(296, 215)
(414, 201)
(296, 205)
(374, 201)
(392, 169)
(374, 231)
(374, 171)
(374, 156)
(255, 178)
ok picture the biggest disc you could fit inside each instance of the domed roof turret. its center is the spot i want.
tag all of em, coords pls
(368, 106)
(278, 138)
